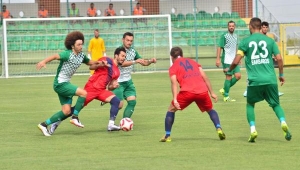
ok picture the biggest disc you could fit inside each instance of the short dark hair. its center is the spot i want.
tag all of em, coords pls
(176, 52)
(255, 23)
(96, 30)
(119, 49)
(265, 23)
(3, 6)
(138, 3)
(92, 3)
(72, 37)
(127, 34)
(111, 4)
(72, 3)
(229, 22)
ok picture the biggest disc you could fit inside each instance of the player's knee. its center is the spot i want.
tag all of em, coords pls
(66, 111)
(131, 103)
(81, 92)
(121, 105)
(115, 101)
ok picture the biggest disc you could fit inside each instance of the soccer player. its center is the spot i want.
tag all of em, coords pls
(99, 85)
(70, 60)
(126, 89)
(96, 48)
(228, 43)
(194, 87)
(264, 30)
(258, 50)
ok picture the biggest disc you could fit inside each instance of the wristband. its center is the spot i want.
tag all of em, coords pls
(281, 75)
(149, 61)
(133, 62)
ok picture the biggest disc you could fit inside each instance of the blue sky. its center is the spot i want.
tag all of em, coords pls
(284, 10)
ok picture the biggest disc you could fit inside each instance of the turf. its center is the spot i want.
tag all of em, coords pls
(25, 102)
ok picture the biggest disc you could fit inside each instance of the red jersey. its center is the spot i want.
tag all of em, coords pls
(103, 75)
(188, 75)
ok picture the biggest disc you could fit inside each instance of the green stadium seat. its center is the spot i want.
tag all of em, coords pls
(235, 15)
(214, 24)
(206, 24)
(173, 17)
(201, 42)
(188, 24)
(211, 33)
(199, 16)
(182, 42)
(202, 34)
(25, 47)
(186, 34)
(207, 16)
(178, 24)
(13, 47)
(33, 47)
(201, 12)
(216, 15)
(180, 17)
(52, 46)
(241, 23)
(191, 42)
(189, 17)
(210, 42)
(42, 46)
(28, 38)
(225, 15)
(176, 35)
(38, 38)
(223, 23)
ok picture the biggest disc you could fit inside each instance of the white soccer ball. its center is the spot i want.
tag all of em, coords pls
(126, 124)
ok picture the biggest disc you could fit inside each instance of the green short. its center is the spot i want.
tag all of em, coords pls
(125, 90)
(267, 92)
(232, 72)
(65, 92)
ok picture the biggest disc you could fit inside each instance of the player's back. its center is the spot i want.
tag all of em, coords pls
(188, 75)
(103, 75)
(258, 50)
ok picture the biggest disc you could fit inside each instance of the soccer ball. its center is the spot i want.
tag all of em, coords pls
(126, 124)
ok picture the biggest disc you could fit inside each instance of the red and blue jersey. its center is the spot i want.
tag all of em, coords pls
(103, 75)
(188, 75)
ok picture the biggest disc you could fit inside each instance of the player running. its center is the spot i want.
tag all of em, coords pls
(262, 84)
(194, 87)
(100, 83)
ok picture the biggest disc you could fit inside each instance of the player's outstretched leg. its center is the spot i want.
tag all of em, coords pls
(169, 120)
(281, 117)
(215, 119)
(78, 106)
(43, 128)
(54, 125)
(251, 121)
(114, 109)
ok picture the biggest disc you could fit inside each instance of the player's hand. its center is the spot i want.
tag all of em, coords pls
(225, 70)
(153, 60)
(218, 63)
(282, 80)
(113, 85)
(176, 104)
(40, 65)
(105, 63)
(140, 61)
(214, 96)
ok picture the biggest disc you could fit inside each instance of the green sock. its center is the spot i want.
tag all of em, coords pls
(226, 88)
(56, 117)
(79, 105)
(279, 112)
(233, 81)
(250, 114)
(129, 108)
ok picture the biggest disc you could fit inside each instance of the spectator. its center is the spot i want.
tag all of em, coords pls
(73, 12)
(110, 11)
(91, 12)
(138, 10)
(43, 13)
(5, 13)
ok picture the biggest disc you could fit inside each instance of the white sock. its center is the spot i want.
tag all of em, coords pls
(252, 129)
(111, 122)
(283, 122)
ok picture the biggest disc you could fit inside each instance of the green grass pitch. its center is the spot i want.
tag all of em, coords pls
(25, 102)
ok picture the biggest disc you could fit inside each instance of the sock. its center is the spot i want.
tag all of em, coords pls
(56, 117)
(114, 108)
(226, 88)
(250, 114)
(169, 120)
(111, 122)
(233, 81)
(214, 118)
(252, 128)
(72, 111)
(79, 105)
(129, 108)
(279, 113)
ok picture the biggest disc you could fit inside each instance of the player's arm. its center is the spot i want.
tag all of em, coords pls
(96, 64)
(279, 62)
(43, 63)
(237, 60)
(146, 62)
(174, 90)
(113, 84)
(208, 85)
(219, 49)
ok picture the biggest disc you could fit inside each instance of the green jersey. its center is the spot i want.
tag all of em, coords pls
(258, 50)
(125, 72)
(228, 42)
(69, 63)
